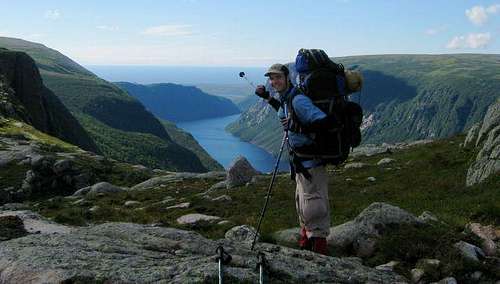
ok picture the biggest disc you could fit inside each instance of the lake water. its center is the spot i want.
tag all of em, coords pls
(224, 147)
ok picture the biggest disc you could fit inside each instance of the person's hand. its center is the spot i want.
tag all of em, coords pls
(284, 122)
(261, 92)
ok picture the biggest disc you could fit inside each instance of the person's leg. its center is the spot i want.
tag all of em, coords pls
(313, 207)
(304, 242)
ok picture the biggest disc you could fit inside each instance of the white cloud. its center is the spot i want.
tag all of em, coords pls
(474, 41)
(108, 28)
(479, 15)
(493, 9)
(52, 14)
(169, 30)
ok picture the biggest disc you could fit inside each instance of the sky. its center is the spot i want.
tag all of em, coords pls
(249, 33)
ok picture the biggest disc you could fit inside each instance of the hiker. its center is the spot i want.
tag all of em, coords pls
(311, 195)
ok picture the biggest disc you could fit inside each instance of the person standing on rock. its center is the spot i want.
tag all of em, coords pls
(311, 195)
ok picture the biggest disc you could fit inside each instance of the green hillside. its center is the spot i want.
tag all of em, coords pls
(120, 126)
(406, 97)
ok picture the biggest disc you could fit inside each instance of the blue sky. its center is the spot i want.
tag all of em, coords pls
(249, 33)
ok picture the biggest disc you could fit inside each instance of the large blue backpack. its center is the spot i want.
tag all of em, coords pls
(324, 82)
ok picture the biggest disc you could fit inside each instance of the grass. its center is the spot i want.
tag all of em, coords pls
(424, 178)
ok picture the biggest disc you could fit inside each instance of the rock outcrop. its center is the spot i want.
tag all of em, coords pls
(132, 253)
(362, 233)
(24, 96)
(240, 172)
(487, 161)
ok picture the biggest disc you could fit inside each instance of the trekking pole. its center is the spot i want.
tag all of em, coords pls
(285, 137)
(223, 258)
(242, 75)
(261, 265)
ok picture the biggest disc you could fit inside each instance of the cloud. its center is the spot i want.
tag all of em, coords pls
(474, 41)
(479, 15)
(108, 28)
(169, 30)
(52, 15)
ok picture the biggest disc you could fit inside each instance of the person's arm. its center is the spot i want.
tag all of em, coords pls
(261, 92)
(309, 115)
(274, 103)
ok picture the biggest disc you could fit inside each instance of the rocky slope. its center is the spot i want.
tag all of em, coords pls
(143, 225)
(179, 103)
(24, 97)
(485, 138)
(405, 98)
(119, 125)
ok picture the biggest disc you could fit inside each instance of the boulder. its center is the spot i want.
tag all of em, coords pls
(35, 223)
(487, 235)
(241, 234)
(385, 161)
(470, 252)
(62, 166)
(222, 198)
(362, 233)
(355, 165)
(194, 218)
(105, 188)
(172, 177)
(134, 253)
(240, 172)
(180, 206)
(11, 227)
(131, 203)
(288, 236)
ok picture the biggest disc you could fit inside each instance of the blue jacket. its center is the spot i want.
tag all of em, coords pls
(307, 113)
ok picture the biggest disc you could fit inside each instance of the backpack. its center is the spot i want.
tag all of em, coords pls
(327, 85)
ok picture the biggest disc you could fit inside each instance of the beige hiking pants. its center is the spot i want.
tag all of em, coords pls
(311, 200)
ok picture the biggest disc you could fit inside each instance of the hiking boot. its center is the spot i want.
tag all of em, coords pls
(319, 245)
(304, 242)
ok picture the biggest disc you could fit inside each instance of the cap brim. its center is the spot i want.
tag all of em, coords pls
(273, 72)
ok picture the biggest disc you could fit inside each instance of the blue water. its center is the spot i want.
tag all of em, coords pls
(185, 75)
(224, 147)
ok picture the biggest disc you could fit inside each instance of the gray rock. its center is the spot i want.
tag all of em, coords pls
(62, 166)
(470, 252)
(487, 235)
(194, 218)
(35, 223)
(180, 206)
(240, 172)
(471, 137)
(133, 253)
(41, 163)
(490, 121)
(487, 161)
(416, 275)
(242, 234)
(223, 198)
(131, 203)
(288, 236)
(94, 208)
(368, 226)
(355, 165)
(82, 191)
(385, 161)
(448, 280)
(105, 188)
(390, 266)
(219, 185)
(371, 179)
(172, 177)
(428, 217)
